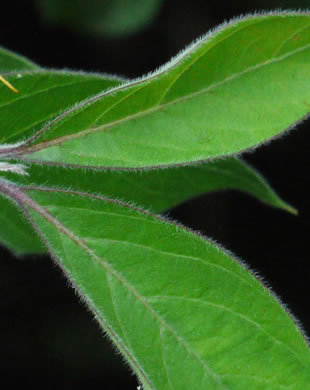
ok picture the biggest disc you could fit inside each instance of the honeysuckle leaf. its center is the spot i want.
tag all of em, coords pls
(184, 312)
(233, 89)
(156, 190)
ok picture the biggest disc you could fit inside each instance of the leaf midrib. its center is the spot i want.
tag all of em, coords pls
(79, 242)
(205, 263)
(84, 247)
(193, 258)
(156, 108)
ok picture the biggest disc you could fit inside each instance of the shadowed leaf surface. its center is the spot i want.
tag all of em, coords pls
(157, 190)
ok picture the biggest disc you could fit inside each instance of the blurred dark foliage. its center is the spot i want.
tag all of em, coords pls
(47, 337)
(110, 18)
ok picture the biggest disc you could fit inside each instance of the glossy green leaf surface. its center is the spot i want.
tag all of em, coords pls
(167, 296)
(157, 190)
(232, 90)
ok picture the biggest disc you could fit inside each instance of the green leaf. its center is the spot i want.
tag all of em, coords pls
(10, 62)
(152, 189)
(42, 95)
(158, 190)
(20, 112)
(112, 18)
(230, 91)
(16, 233)
(167, 296)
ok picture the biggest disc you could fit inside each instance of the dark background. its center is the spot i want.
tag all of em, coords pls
(47, 337)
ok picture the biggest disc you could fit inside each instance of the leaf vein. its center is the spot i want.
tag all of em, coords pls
(225, 308)
(156, 108)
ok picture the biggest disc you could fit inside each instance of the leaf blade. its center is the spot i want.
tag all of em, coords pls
(155, 190)
(153, 122)
(159, 190)
(16, 233)
(182, 312)
(42, 96)
(10, 62)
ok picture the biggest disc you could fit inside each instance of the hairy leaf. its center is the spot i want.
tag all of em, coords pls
(184, 312)
(10, 61)
(42, 95)
(153, 189)
(16, 233)
(231, 90)
(158, 190)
